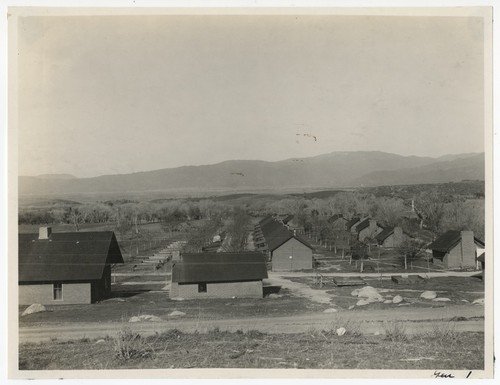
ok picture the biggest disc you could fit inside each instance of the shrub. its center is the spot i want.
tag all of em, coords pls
(395, 331)
(129, 345)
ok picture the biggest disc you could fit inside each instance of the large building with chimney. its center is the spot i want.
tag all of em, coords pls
(456, 249)
(66, 268)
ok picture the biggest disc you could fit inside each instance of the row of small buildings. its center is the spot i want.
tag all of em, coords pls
(75, 267)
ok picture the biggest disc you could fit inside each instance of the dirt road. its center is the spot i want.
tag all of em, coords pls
(367, 321)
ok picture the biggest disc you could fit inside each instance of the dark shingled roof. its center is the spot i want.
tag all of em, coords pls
(362, 225)
(276, 234)
(351, 223)
(219, 267)
(384, 234)
(287, 219)
(333, 218)
(78, 256)
(448, 240)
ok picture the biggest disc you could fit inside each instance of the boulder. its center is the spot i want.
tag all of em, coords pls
(428, 294)
(441, 299)
(355, 292)
(369, 292)
(150, 318)
(134, 319)
(274, 295)
(397, 299)
(100, 341)
(479, 301)
(35, 308)
(177, 313)
(362, 302)
(340, 331)
(388, 301)
(330, 310)
(351, 307)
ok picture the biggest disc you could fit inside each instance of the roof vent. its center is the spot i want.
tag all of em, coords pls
(44, 232)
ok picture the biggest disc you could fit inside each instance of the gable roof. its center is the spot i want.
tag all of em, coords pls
(277, 234)
(351, 223)
(384, 234)
(219, 267)
(335, 217)
(480, 258)
(362, 225)
(287, 219)
(448, 240)
(76, 256)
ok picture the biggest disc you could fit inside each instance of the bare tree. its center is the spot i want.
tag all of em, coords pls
(411, 250)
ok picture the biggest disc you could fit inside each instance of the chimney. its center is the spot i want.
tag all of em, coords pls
(44, 232)
(373, 226)
(468, 249)
(398, 235)
(294, 232)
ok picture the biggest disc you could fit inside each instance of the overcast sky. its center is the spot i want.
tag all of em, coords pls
(106, 95)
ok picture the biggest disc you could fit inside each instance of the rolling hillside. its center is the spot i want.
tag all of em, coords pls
(334, 170)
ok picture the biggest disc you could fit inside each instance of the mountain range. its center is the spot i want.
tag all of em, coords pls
(333, 170)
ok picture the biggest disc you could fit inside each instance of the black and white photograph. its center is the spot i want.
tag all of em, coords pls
(292, 191)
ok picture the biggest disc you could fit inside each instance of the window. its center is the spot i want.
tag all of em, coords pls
(57, 291)
(202, 288)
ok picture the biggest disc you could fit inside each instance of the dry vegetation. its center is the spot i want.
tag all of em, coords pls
(215, 349)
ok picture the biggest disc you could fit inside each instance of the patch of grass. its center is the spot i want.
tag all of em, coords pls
(395, 331)
(221, 349)
(444, 332)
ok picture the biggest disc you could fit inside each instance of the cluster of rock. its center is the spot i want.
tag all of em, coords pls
(369, 294)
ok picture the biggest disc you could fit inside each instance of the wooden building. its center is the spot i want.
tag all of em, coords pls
(66, 268)
(391, 237)
(456, 249)
(218, 275)
(287, 251)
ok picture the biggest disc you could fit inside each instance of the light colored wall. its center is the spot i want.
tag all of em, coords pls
(73, 293)
(301, 256)
(251, 289)
(458, 257)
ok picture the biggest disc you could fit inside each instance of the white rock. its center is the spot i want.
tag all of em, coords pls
(441, 299)
(340, 331)
(397, 299)
(369, 292)
(428, 294)
(479, 301)
(355, 292)
(464, 300)
(176, 313)
(274, 295)
(35, 308)
(100, 341)
(151, 318)
(351, 307)
(377, 333)
(330, 310)
(362, 302)
(388, 301)
(134, 319)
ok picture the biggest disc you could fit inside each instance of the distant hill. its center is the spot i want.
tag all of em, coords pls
(334, 170)
(56, 176)
(470, 167)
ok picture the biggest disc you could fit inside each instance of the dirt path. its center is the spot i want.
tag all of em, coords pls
(416, 320)
(301, 289)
